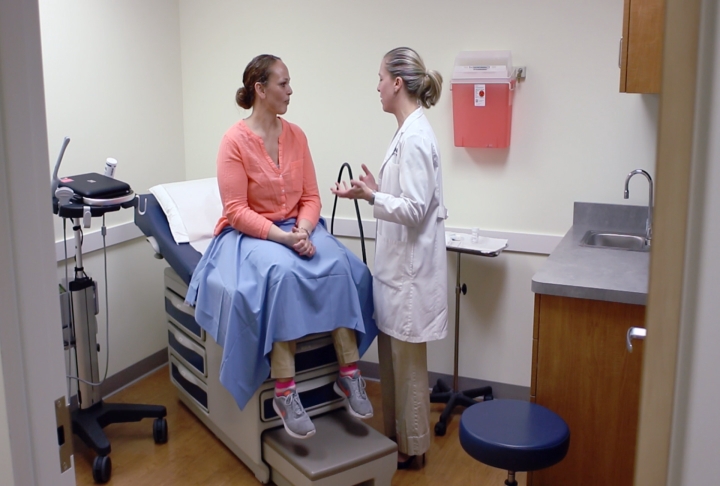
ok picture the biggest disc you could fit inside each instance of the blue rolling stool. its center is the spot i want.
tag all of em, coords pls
(514, 435)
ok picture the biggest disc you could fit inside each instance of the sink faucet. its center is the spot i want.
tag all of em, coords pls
(648, 224)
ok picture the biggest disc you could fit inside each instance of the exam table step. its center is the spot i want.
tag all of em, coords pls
(344, 451)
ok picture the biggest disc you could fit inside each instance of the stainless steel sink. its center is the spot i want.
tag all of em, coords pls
(618, 241)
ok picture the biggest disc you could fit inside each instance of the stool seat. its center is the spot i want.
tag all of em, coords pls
(514, 435)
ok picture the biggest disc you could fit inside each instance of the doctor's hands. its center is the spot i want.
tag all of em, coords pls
(368, 178)
(359, 189)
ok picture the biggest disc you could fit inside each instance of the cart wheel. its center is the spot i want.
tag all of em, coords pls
(440, 429)
(102, 468)
(160, 430)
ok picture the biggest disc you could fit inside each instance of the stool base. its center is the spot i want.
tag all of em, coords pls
(510, 481)
(442, 393)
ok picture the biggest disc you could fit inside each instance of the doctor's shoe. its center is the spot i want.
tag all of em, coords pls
(293, 415)
(353, 388)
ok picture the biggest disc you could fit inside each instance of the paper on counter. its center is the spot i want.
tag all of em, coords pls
(484, 244)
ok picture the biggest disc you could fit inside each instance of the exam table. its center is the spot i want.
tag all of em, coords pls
(344, 451)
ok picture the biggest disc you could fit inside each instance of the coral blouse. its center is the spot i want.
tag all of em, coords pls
(254, 191)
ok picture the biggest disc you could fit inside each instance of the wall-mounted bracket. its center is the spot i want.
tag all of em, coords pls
(64, 433)
(519, 73)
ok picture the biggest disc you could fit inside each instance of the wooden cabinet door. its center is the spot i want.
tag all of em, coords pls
(583, 372)
(642, 46)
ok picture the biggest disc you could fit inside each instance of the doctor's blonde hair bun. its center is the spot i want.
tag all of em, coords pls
(257, 71)
(421, 83)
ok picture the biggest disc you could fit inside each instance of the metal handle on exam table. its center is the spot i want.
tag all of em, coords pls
(634, 333)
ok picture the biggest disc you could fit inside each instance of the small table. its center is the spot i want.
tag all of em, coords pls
(441, 392)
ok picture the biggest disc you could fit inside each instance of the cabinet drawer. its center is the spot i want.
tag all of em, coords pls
(187, 350)
(189, 384)
(183, 315)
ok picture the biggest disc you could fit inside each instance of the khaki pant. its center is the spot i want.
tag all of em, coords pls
(405, 393)
(282, 357)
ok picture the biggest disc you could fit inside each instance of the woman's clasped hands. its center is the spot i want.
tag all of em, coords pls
(299, 240)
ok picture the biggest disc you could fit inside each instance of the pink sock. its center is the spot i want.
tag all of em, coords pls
(282, 387)
(348, 370)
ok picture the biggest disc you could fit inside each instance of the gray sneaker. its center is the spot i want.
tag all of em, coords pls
(293, 415)
(353, 388)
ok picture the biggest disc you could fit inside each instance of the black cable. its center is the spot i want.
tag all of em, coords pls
(357, 212)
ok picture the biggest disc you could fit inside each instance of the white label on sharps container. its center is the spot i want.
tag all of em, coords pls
(480, 95)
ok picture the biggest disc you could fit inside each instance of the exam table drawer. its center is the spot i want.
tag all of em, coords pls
(314, 393)
(314, 352)
(189, 384)
(183, 315)
(188, 352)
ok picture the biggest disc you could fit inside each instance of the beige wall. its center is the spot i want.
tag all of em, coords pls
(574, 136)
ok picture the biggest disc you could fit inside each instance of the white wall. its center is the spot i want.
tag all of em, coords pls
(574, 136)
(113, 85)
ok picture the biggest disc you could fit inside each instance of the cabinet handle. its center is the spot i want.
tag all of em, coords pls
(190, 377)
(179, 303)
(634, 333)
(185, 342)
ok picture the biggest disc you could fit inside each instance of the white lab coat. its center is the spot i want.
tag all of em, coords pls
(410, 280)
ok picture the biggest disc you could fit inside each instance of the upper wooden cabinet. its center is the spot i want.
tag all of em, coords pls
(642, 46)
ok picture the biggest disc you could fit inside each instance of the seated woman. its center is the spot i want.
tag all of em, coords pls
(272, 274)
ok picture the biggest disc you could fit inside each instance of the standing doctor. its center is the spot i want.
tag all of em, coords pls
(410, 281)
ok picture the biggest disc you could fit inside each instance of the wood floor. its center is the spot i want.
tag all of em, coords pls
(193, 456)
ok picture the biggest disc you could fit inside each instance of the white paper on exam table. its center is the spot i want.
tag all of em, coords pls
(484, 244)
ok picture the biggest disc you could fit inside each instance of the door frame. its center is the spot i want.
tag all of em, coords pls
(31, 334)
(674, 163)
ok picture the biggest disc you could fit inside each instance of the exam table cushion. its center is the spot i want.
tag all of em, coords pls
(192, 208)
(151, 220)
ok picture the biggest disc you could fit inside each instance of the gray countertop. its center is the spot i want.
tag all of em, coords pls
(597, 273)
